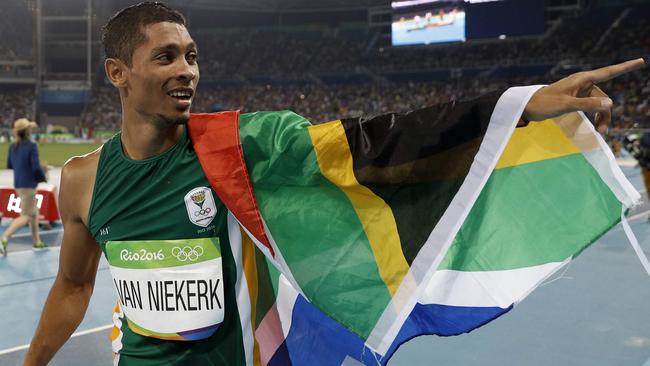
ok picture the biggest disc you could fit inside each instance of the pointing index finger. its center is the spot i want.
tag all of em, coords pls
(610, 72)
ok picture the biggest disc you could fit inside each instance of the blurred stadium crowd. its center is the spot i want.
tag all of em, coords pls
(326, 74)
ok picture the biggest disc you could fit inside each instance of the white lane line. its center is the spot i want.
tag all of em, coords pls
(92, 330)
(32, 251)
(627, 163)
(638, 216)
(77, 334)
(41, 232)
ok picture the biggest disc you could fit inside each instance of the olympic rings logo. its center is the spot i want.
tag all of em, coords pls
(187, 253)
(203, 211)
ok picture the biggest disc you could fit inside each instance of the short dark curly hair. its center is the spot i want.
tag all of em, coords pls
(124, 31)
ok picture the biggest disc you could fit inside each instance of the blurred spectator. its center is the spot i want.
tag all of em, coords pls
(14, 103)
(23, 160)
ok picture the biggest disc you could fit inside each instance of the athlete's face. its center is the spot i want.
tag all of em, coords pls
(164, 73)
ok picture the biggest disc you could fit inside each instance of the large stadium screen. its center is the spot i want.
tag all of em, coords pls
(504, 18)
(427, 21)
(439, 21)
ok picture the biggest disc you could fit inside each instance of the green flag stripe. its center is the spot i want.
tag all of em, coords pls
(552, 194)
(318, 231)
(376, 216)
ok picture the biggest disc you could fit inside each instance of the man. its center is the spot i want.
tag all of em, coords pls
(639, 147)
(143, 196)
(643, 156)
(152, 60)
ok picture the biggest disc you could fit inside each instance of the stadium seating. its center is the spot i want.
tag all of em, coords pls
(328, 73)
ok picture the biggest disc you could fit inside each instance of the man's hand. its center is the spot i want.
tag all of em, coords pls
(578, 92)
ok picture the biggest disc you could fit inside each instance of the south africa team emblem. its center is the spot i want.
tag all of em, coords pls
(200, 206)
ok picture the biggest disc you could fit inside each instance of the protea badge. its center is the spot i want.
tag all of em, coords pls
(199, 198)
(201, 209)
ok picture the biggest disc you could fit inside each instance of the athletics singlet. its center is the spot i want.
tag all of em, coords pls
(164, 234)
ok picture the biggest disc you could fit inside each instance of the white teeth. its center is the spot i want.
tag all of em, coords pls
(180, 94)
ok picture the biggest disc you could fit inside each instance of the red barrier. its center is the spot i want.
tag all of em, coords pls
(45, 199)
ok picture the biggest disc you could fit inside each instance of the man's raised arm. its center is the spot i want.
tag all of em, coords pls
(578, 92)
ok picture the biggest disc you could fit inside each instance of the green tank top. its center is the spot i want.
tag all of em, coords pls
(164, 234)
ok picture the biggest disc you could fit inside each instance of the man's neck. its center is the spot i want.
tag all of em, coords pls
(145, 140)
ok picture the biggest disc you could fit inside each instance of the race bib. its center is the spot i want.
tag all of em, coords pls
(169, 289)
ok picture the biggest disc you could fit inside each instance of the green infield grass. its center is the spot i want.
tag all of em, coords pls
(54, 154)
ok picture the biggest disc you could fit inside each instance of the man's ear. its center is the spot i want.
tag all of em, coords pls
(116, 71)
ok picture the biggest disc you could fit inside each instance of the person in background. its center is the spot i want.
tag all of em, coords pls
(23, 159)
(644, 161)
(639, 147)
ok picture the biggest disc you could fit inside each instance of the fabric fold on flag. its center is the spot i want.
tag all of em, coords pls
(374, 230)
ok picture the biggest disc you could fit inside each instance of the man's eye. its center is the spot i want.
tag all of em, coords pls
(192, 57)
(164, 58)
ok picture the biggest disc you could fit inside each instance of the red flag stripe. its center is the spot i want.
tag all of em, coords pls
(215, 137)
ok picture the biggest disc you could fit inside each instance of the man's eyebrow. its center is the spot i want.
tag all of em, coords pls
(173, 47)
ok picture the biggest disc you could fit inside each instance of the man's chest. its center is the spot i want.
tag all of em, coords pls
(153, 204)
(165, 255)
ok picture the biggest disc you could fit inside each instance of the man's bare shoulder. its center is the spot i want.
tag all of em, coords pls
(77, 184)
(81, 169)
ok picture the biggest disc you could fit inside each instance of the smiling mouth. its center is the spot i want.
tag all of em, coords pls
(181, 94)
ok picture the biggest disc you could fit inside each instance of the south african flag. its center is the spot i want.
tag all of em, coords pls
(371, 231)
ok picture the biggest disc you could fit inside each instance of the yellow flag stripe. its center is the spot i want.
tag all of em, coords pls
(115, 331)
(250, 273)
(536, 142)
(335, 161)
(578, 130)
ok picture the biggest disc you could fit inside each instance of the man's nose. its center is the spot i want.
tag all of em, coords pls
(187, 71)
